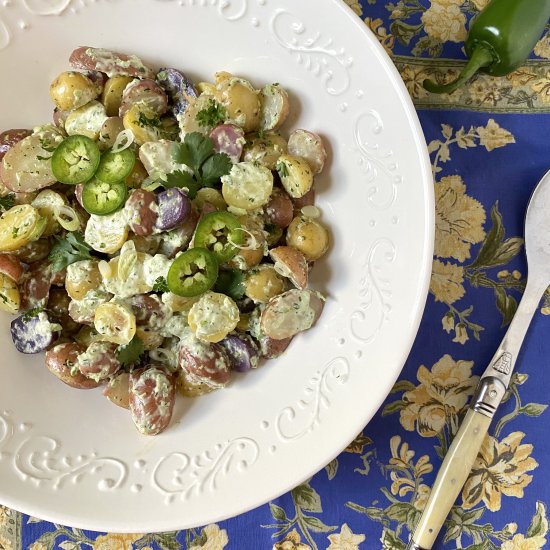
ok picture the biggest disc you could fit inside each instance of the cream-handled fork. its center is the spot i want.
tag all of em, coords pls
(495, 380)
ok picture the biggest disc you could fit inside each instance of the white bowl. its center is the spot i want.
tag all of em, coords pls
(71, 457)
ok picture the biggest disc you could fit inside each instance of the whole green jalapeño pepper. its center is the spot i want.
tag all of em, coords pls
(500, 39)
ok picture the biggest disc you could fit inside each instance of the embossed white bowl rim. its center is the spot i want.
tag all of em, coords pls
(73, 458)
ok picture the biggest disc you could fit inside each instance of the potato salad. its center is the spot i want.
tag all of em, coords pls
(158, 235)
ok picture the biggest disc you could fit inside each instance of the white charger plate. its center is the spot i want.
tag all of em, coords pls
(71, 457)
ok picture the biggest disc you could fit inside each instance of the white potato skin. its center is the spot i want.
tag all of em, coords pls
(275, 107)
(310, 146)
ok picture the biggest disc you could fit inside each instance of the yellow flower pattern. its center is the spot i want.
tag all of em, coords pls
(444, 21)
(500, 469)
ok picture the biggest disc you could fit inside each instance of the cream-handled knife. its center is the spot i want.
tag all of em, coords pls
(493, 384)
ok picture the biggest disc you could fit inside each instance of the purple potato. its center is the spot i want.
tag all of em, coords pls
(228, 139)
(174, 207)
(178, 87)
(242, 351)
(32, 334)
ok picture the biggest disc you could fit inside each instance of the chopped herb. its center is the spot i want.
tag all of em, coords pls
(14, 232)
(261, 134)
(131, 353)
(144, 120)
(3, 298)
(39, 157)
(160, 285)
(7, 202)
(282, 169)
(68, 250)
(212, 115)
(34, 312)
(197, 152)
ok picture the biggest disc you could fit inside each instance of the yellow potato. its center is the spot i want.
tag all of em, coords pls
(213, 317)
(82, 277)
(107, 233)
(71, 90)
(241, 101)
(144, 124)
(112, 93)
(248, 186)
(47, 203)
(19, 226)
(296, 175)
(115, 323)
(263, 283)
(10, 299)
(86, 120)
(266, 149)
(308, 236)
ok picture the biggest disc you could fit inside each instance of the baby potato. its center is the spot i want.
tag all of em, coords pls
(291, 263)
(107, 233)
(112, 93)
(47, 203)
(263, 283)
(60, 361)
(109, 132)
(248, 186)
(266, 149)
(115, 323)
(296, 175)
(151, 339)
(308, 236)
(253, 252)
(275, 106)
(213, 317)
(188, 120)
(308, 145)
(117, 390)
(189, 386)
(137, 176)
(82, 277)
(241, 102)
(211, 196)
(10, 299)
(86, 120)
(71, 90)
(144, 124)
(19, 226)
(12, 267)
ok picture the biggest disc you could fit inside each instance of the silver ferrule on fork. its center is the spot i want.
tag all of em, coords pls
(489, 394)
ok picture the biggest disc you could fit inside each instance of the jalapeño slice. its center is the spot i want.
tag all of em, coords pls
(192, 273)
(219, 232)
(103, 198)
(115, 167)
(75, 160)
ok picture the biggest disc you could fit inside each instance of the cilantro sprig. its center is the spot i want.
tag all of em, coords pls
(212, 115)
(131, 353)
(68, 250)
(7, 202)
(197, 152)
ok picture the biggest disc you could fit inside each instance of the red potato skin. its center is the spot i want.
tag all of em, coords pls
(59, 361)
(80, 59)
(151, 408)
(9, 138)
(211, 366)
(279, 210)
(35, 285)
(147, 92)
(307, 200)
(12, 267)
(142, 218)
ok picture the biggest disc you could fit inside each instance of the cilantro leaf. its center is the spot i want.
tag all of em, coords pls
(215, 167)
(7, 202)
(231, 283)
(194, 150)
(160, 285)
(183, 180)
(34, 312)
(197, 152)
(68, 250)
(212, 115)
(131, 353)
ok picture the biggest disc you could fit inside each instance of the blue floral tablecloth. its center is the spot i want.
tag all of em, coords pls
(489, 144)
